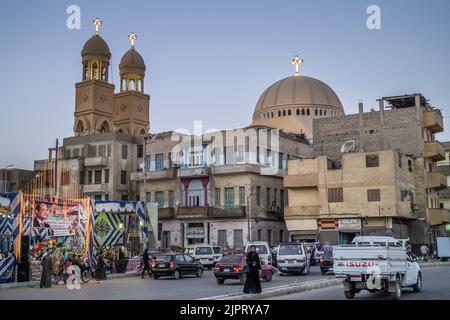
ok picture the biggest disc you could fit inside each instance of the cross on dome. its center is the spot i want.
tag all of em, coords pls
(97, 23)
(132, 37)
(297, 62)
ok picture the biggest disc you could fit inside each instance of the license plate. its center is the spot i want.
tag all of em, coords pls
(162, 265)
(290, 261)
(226, 270)
(356, 278)
(204, 260)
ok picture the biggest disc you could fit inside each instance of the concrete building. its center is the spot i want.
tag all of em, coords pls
(408, 129)
(13, 179)
(444, 168)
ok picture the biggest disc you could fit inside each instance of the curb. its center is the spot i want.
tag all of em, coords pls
(434, 264)
(35, 284)
(280, 291)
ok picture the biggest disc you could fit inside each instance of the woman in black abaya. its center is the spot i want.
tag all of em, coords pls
(252, 283)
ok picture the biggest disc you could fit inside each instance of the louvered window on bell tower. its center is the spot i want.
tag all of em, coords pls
(95, 70)
(85, 71)
(104, 73)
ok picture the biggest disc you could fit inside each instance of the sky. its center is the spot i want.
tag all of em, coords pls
(210, 60)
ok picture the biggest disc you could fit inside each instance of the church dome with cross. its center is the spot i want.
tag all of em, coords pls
(292, 103)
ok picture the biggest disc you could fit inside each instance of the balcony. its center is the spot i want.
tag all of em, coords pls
(295, 211)
(165, 174)
(301, 180)
(166, 213)
(436, 180)
(96, 188)
(432, 120)
(438, 216)
(193, 212)
(434, 150)
(96, 162)
(193, 172)
(236, 168)
(230, 212)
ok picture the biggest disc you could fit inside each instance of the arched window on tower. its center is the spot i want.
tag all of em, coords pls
(85, 71)
(325, 112)
(132, 85)
(95, 70)
(303, 112)
(141, 89)
(316, 112)
(284, 113)
(279, 113)
(271, 114)
(289, 112)
(123, 85)
(104, 73)
(298, 112)
(320, 112)
(307, 112)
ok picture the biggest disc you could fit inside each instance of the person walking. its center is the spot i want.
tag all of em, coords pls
(252, 282)
(46, 275)
(146, 265)
(100, 271)
(425, 252)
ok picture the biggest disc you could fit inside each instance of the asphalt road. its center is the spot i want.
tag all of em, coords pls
(436, 286)
(162, 289)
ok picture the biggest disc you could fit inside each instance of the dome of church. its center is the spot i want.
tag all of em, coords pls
(95, 47)
(132, 61)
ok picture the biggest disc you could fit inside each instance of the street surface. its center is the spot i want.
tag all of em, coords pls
(164, 288)
(436, 286)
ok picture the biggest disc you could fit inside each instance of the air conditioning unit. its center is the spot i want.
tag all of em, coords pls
(414, 207)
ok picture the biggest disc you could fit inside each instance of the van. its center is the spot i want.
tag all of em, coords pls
(293, 257)
(202, 253)
(263, 250)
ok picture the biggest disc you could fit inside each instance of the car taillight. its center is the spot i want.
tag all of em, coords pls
(321, 261)
(153, 264)
(216, 269)
(237, 270)
(172, 264)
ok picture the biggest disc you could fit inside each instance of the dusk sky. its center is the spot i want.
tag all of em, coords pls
(211, 60)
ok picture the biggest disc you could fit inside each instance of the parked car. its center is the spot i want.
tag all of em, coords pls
(263, 250)
(218, 254)
(293, 257)
(175, 265)
(326, 262)
(233, 266)
(202, 253)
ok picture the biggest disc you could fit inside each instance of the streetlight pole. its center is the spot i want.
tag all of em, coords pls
(6, 176)
(248, 217)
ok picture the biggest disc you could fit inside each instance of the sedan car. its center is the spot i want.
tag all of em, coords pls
(233, 266)
(175, 265)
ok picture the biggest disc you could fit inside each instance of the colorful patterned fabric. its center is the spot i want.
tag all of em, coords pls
(8, 270)
(108, 229)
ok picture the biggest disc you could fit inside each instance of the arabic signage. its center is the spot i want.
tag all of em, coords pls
(349, 224)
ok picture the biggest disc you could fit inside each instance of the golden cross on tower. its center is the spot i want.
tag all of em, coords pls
(297, 62)
(97, 23)
(132, 38)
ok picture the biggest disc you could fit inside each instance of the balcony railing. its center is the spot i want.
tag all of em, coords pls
(301, 181)
(96, 162)
(438, 216)
(436, 180)
(434, 150)
(154, 175)
(193, 172)
(166, 213)
(95, 188)
(432, 120)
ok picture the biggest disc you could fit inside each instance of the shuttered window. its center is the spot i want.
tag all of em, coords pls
(373, 195)
(335, 195)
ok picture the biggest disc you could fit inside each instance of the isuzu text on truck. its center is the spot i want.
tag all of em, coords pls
(376, 264)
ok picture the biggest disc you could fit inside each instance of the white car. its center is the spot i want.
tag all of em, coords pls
(202, 253)
(293, 257)
(376, 264)
(263, 250)
(218, 254)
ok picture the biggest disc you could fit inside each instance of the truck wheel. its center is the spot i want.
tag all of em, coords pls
(418, 286)
(220, 281)
(397, 294)
(349, 294)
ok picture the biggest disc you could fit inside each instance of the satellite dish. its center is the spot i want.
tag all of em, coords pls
(348, 146)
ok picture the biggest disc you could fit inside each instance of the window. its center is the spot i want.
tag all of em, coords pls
(373, 195)
(92, 151)
(335, 195)
(289, 112)
(307, 112)
(123, 177)
(76, 153)
(281, 236)
(106, 196)
(81, 177)
(89, 177)
(102, 151)
(410, 166)
(86, 71)
(159, 231)
(298, 112)
(241, 154)
(259, 235)
(67, 153)
(372, 161)
(242, 196)
(98, 197)
(124, 151)
(106, 175)
(169, 155)
(159, 158)
(238, 239)
(95, 70)
(315, 112)
(124, 197)
(222, 238)
(229, 155)
(98, 176)
(258, 196)
(140, 151)
(275, 192)
(170, 199)
(229, 197)
(399, 160)
(280, 160)
(268, 197)
(103, 73)
(159, 198)
(282, 200)
(217, 197)
(148, 196)
(108, 148)
(257, 155)
(188, 259)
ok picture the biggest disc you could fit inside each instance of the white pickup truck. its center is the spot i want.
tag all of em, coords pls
(374, 264)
